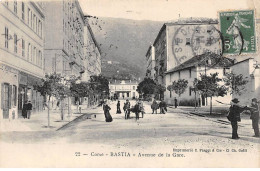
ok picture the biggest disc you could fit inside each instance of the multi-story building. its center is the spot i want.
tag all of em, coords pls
(177, 42)
(21, 55)
(92, 52)
(64, 40)
(150, 61)
(124, 89)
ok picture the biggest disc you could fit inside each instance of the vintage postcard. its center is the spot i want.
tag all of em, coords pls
(129, 83)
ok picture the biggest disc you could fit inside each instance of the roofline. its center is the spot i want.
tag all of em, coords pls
(38, 9)
(169, 72)
(159, 34)
(243, 60)
(80, 10)
(91, 33)
(149, 49)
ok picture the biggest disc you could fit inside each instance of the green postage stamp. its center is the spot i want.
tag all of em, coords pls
(238, 31)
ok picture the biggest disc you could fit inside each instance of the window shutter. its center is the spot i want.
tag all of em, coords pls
(10, 96)
(2, 95)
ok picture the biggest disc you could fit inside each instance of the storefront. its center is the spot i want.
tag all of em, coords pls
(9, 84)
(26, 92)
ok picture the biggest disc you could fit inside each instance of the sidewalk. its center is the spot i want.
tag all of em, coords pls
(39, 121)
(219, 117)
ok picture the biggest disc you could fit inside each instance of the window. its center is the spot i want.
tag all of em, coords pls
(31, 18)
(15, 6)
(34, 55)
(6, 3)
(29, 51)
(34, 18)
(40, 28)
(187, 41)
(40, 56)
(23, 10)
(6, 37)
(28, 17)
(14, 95)
(15, 43)
(6, 96)
(23, 48)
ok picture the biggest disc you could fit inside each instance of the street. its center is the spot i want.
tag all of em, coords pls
(178, 134)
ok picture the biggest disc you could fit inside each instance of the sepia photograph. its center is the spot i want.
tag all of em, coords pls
(129, 83)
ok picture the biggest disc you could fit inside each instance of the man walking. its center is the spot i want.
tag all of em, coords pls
(175, 102)
(255, 116)
(234, 116)
(29, 109)
(127, 107)
(154, 106)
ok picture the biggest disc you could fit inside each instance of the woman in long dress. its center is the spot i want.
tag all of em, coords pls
(24, 110)
(118, 111)
(106, 109)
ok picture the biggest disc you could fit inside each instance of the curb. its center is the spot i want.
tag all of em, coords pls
(77, 118)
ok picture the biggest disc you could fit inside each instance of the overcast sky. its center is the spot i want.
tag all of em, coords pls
(161, 10)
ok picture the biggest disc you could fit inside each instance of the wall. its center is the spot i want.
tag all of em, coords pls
(188, 40)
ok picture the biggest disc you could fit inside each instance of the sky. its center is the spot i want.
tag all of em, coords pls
(162, 10)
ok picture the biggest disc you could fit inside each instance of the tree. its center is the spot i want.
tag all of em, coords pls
(179, 86)
(99, 85)
(235, 83)
(147, 86)
(169, 88)
(209, 86)
(159, 90)
(52, 85)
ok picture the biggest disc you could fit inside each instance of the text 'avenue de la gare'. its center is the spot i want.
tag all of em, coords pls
(174, 153)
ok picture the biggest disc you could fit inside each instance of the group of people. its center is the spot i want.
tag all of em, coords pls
(138, 107)
(234, 116)
(27, 110)
(162, 106)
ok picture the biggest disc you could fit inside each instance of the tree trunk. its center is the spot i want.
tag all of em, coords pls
(62, 112)
(49, 112)
(195, 99)
(210, 105)
(68, 106)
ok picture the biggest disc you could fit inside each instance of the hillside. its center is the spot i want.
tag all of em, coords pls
(125, 41)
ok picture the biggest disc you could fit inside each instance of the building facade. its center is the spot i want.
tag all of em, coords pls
(92, 52)
(179, 41)
(64, 40)
(21, 55)
(193, 68)
(124, 89)
(250, 69)
(150, 61)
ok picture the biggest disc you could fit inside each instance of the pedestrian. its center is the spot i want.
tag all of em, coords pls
(154, 106)
(127, 107)
(162, 106)
(29, 109)
(234, 116)
(255, 116)
(24, 110)
(175, 102)
(141, 106)
(118, 110)
(106, 109)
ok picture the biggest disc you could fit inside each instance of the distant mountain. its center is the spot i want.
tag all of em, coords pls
(125, 41)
